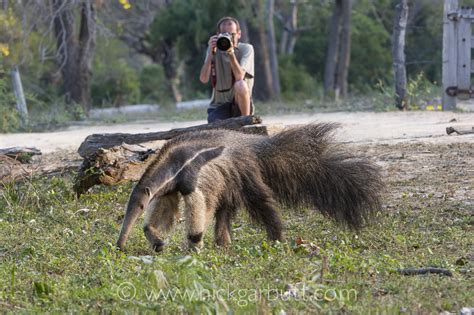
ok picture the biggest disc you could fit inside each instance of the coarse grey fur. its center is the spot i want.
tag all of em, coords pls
(218, 172)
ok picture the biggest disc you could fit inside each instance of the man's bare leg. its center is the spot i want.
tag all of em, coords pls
(242, 97)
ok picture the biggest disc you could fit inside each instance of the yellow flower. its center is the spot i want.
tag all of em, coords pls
(429, 107)
(4, 49)
(126, 4)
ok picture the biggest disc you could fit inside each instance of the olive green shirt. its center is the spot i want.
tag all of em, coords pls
(224, 90)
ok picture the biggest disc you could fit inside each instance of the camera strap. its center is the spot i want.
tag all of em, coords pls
(213, 74)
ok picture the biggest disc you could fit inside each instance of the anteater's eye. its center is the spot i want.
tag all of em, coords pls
(142, 206)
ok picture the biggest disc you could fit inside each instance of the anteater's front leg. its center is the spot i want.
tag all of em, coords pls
(197, 216)
(160, 217)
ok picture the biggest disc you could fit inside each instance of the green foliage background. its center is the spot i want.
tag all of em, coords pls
(123, 76)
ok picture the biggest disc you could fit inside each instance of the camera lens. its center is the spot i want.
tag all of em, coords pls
(224, 42)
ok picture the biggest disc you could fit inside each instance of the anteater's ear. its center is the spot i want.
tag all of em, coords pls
(203, 156)
(187, 178)
(212, 153)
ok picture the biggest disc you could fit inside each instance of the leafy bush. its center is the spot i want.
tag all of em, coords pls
(116, 85)
(421, 93)
(370, 53)
(115, 80)
(153, 85)
(296, 82)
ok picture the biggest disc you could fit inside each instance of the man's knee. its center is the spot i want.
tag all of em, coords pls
(240, 87)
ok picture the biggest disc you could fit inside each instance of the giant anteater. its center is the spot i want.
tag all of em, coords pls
(218, 172)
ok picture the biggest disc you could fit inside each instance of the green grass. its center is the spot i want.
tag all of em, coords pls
(57, 254)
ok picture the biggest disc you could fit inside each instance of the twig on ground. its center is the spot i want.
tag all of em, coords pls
(422, 271)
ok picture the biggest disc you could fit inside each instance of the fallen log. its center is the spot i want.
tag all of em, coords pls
(95, 142)
(21, 154)
(450, 130)
(113, 166)
(12, 162)
(10, 169)
(13, 170)
(125, 163)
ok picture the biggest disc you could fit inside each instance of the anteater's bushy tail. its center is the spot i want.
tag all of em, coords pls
(304, 166)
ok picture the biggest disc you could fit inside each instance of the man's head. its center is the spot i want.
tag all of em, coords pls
(231, 25)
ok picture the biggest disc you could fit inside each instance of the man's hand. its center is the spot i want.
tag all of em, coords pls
(230, 51)
(212, 43)
(233, 44)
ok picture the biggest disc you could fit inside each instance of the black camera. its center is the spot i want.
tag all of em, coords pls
(224, 41)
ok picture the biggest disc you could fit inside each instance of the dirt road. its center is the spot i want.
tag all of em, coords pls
(357, 127)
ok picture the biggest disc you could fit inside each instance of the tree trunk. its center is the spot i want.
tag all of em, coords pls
(257, 35)
(333, 49)
(19, 95)
(345, 51)
(398, 54)
(75, 54)
(272, 50)
(168, 60)
(290, 30)
(244, 38)
(87, 36)
(284, 38)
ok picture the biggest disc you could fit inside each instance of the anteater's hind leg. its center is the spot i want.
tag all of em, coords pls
(160, 217)
(222, 232)
(262, 207)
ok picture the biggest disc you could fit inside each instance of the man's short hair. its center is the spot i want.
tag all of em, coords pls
(227, 18)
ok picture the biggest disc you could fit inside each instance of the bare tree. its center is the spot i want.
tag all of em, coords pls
(338, 53)
(272, 50)
(398, 54)
(333, 45)
(258, 37)
(345, 49)
(244, 29)
(290, 31)
(290, 22)
(75, 51)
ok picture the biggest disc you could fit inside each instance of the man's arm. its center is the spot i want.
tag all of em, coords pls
(239, 73)
(206, 68)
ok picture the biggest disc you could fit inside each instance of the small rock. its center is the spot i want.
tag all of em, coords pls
(147, 259)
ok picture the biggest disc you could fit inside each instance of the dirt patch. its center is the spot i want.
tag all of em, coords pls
(412, 147)
(356, 127)
(428, 170)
